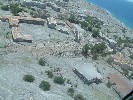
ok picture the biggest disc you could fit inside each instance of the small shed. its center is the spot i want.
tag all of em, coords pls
(51, 23)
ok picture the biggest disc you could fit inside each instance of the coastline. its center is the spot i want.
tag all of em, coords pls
(120, 20)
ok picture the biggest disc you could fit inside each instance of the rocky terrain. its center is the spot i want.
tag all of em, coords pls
(76, 35)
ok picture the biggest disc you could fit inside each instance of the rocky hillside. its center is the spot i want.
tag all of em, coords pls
(64, 50)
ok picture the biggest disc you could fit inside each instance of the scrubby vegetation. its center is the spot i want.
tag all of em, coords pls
(14, 8)
(70, 92)
(128, 73)
(28, 78)
(125, 40)
(110, 60)
(131, 56)
(50, 74)
(59, 80)
(89, 24)
(42, 62)
(73, 19)
(95, 33)
(5, 7)
(85, 49)
(79, 97)
(96, 50)
(109, 84)
(44, 85)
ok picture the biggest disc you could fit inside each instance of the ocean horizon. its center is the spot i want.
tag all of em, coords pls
(121, 9)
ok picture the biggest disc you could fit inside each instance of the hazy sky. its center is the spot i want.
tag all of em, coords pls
(130, 0)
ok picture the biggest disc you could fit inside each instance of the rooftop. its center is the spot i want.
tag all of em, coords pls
(121, 84)
(88, 70)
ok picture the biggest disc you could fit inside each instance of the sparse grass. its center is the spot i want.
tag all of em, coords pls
(50, 74)
(44, 85)
(28, 78)
(59, 80)
(42, 62)
(79, 97)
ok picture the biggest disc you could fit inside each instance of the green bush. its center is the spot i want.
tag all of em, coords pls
(95, 33)
(15, 9)
(28, 78)
(70, 91)
(125, 71)
(50, 74)
(59, 80)
(42, 62)
(44, 85)
(126, 40)
(109, 84)
(131, 56)
(98, 48)
(73, 19)
(33, 9)
(85, 49)
(95, 57)
(79, 97)
(5, 7)
(84, 25)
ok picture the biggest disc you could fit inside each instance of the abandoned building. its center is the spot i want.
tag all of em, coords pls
(112, 43)
(14, 25)
(62, 29)
(84, 72)
(19, 37)
(51, 23)
(119, 84)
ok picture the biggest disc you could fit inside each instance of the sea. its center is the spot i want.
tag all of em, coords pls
(121, 9)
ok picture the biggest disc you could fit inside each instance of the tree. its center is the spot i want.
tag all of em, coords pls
(15, 9)
(59, 80)
(42, 62)
(6, 7)
(85, 49)
(50, 74)
(44, 85)
(28, 78)
(73, 19)
(70, 92)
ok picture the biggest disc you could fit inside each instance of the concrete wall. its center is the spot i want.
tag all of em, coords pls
(21, 40)
(31, 22)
